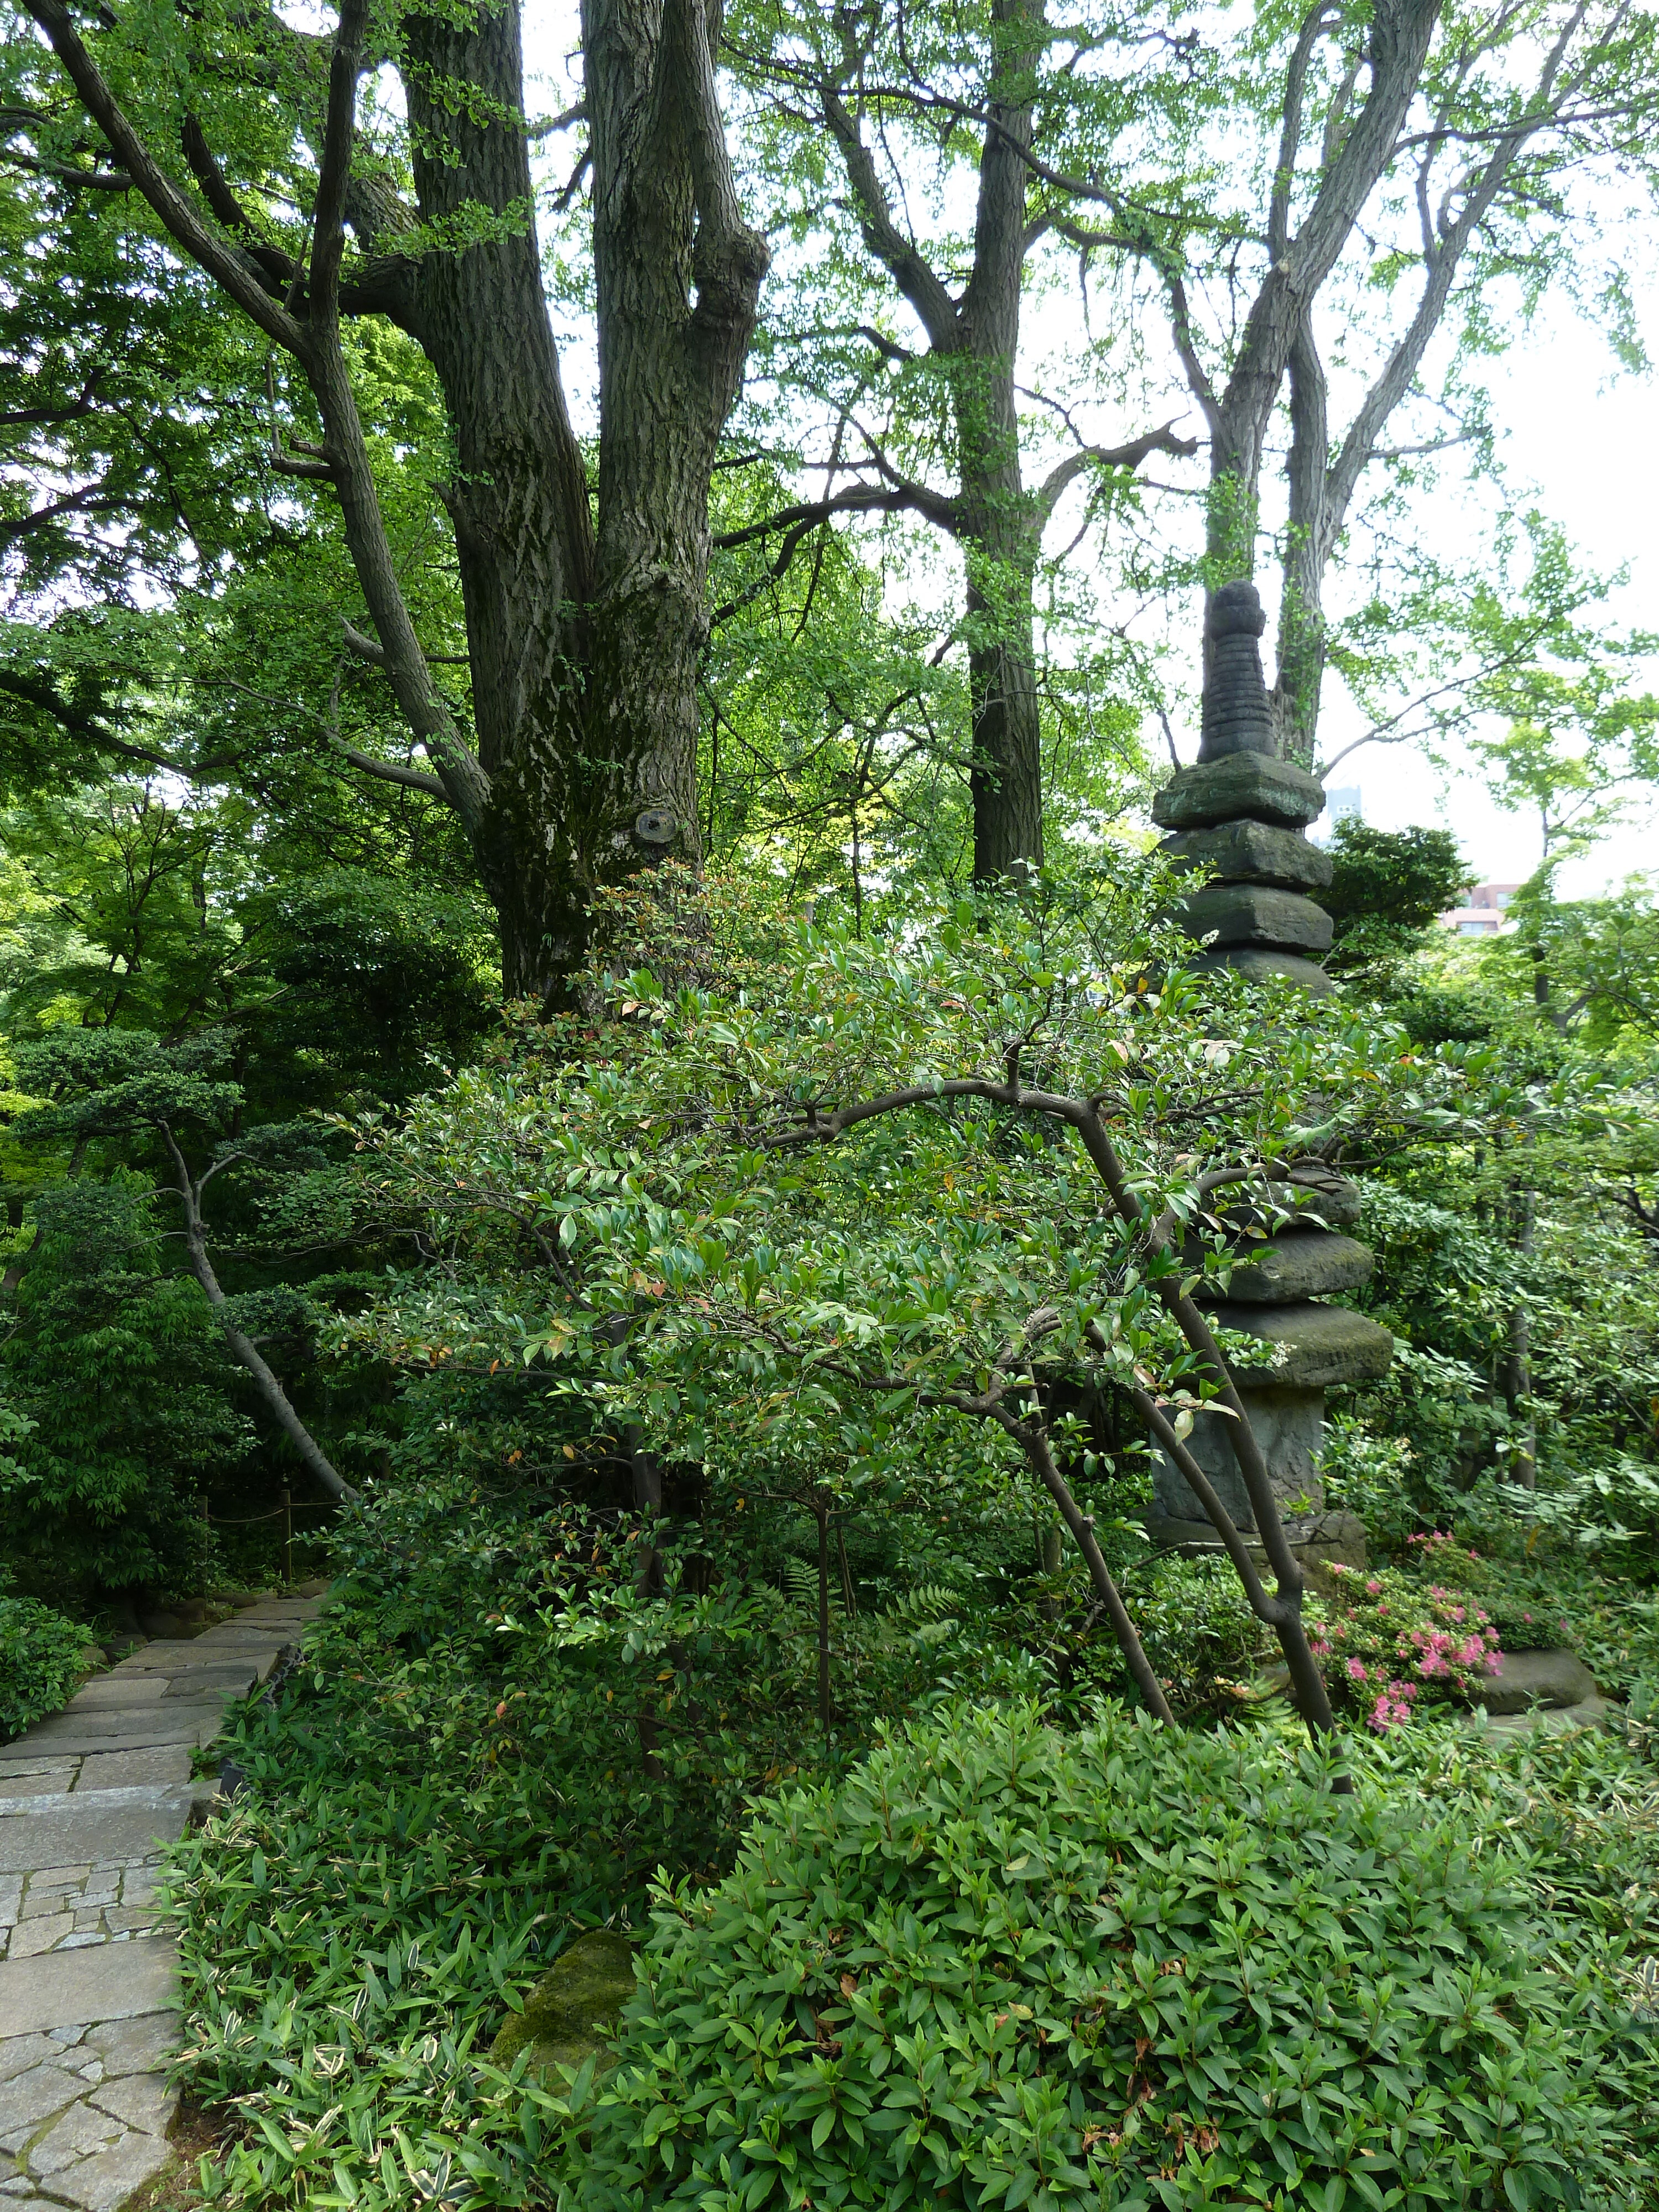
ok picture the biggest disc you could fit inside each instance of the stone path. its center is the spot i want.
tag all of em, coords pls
(87, 1987)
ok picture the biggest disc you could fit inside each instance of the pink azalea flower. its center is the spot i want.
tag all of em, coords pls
(1356, 1670)
(1374, 1587)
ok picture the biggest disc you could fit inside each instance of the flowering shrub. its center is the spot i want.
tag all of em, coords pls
(1523, 1602)
(1391, 1641)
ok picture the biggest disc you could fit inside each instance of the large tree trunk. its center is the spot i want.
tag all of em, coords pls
(583, 645)
(678, 275)
(519, 497)
(1240, 416)
(583, 641)
(999, 528)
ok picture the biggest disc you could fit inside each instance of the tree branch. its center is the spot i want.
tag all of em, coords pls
(183, 224)
(241, 1347)
(933, 305)
(1161, 440)
(411, 779)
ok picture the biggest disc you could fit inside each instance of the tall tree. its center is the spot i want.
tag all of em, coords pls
(891, 91)
(585, 612)
(1413, 153)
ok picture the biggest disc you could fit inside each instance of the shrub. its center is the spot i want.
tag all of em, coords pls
(120, 1375)
(1523, 1600)
(999, 1967)
(1388, 1640)
(39, 1663)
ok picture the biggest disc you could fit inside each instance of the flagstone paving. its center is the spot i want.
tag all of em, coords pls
(88, 1997)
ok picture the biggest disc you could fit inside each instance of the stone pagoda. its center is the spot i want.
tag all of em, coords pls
(1242, 814)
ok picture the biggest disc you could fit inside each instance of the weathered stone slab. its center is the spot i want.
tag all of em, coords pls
(1256, 913)
(29, 2099)
(18, 2053)
(142, 2100)
(1305, 1263)
(1324, 1346)
(158, 1764)
(1243, 784)
(41, 1934)
(1551, 1679)
(32, 1782)
(116, 1692)
(223, 1682)
(100, 2183)
(1261, 964)
(211, 1670)
(97, 1830)
(135, 2046)
(1251, 853)
(70, 1989)
(81, 2132)
(195, 1722)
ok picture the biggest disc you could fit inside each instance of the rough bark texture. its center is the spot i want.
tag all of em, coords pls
(996, 521)
(678, 274)
(1000, 529)
(519, 496)
(583, 637)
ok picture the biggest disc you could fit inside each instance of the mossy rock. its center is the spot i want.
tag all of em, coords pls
(582, 1992)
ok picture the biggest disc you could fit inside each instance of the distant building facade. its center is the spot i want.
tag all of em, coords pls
(1340, 806)
(1484, 915)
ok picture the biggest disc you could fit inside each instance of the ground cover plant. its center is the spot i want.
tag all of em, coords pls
(1004, 1966)
(43, 1655)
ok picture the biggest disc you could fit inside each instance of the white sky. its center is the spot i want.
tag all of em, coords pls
(1587, 445)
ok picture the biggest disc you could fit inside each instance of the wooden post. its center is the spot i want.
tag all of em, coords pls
(287, 1535)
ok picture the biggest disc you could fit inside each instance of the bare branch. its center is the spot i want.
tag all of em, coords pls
(241, 1347)
(1161, 440)
(412, 779)
(933, 305)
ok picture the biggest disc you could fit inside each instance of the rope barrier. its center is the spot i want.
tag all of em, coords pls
(301, 1505)
(284, 1513)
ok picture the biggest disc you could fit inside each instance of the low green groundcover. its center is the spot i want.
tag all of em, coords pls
(40, 1662)
(1004, 1967)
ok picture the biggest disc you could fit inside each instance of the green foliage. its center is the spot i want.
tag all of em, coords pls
(452, 1785)
(40, 1661)
(1014, 1967)
(1390, 1639)
(1196, 1626)
(1388, 886)
(119, 1372)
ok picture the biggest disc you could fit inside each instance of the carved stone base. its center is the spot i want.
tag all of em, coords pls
(1318, 1543)
(1288, 1424)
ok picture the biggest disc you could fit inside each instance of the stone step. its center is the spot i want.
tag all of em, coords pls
(195, 1722)
(74, 1830)
(87, 1987)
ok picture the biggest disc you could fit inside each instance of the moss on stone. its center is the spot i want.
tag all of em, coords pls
(582, 1992)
